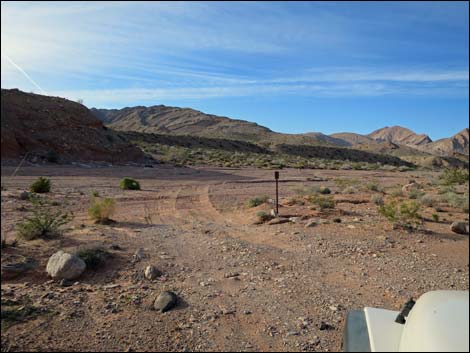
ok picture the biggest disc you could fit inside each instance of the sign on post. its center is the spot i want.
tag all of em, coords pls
(276, 177)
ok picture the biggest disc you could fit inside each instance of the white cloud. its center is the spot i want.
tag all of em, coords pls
(102, 52)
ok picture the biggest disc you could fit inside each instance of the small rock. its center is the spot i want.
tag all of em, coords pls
(410, 186)
(231, 274)
(459, 227)
(311, 224)
(278, 220)
(138, 255)
(325, 326)
(25, 195)
(151, 272)
(66, 283)
(165, 301)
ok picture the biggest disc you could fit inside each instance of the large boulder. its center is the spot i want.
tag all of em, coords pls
(62, 265)
(459, 227)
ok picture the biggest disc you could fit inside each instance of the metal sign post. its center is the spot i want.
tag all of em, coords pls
(276, 176)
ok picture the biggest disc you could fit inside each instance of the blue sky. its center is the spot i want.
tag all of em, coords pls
(291, 66)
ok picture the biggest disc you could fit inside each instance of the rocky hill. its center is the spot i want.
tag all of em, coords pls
(179, 121)
(352, 139)
(57, 129)
(459, 143)
(400, 135)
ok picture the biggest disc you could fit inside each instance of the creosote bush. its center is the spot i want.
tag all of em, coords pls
(41, 185)
(377, 200)
(129, 184)
(256, 201)
(101, 210)
(324, 202)
(263, 216)
(45, 222)
(404, 214)
(94, 256)
(454, 176)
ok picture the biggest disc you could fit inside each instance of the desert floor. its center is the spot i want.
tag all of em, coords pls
(241, 286)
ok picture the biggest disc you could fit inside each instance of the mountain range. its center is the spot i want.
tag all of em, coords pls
(185, 121)
(39, 125)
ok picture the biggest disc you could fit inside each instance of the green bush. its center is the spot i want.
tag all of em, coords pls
(256, 201)
(263, 216)
(377, 200)
(454, 176)
(129, 184)
(401, 213)
(101, 210)
(95, 193)
(350, 190)
(93, 256)
(344, 183)
(457, 201)
(43, 223)
(428, 200)
(324, 202)
(41, 185)
(374, 187)
(435, 217)
(415, 194)
(312, 190)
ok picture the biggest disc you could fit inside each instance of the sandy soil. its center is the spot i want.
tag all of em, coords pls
(241, 286)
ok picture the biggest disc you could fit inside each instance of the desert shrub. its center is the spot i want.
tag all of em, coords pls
(374, 187)
(457, 201)
(401, 213)
(101, 210)
(415, 194)
(256, 201)
(95, 193)
(44, 222)
(454, 176)
(324, 190)
(350, 190)
(94, 256)
(397, 192)
(312, 190)
(263, 216)
(343, 183)
(444, 189)
(295, 201)
(41, 185)
(435, 217)
(323, 202)
(129, 184)
(377, 200)
(428, 200)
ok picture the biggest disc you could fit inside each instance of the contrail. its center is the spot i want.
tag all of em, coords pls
(23, 72)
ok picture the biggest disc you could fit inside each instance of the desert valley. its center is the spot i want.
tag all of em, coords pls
(166, 220)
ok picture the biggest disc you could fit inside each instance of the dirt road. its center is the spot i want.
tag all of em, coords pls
(242, 287)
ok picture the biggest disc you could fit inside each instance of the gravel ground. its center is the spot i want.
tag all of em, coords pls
(240, 286)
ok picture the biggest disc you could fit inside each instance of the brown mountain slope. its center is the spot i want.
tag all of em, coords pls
(50, 126)
(160, 119)
(459, 143)
(353, 139)
(329, 139)
(400, 135)
(178, 121)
